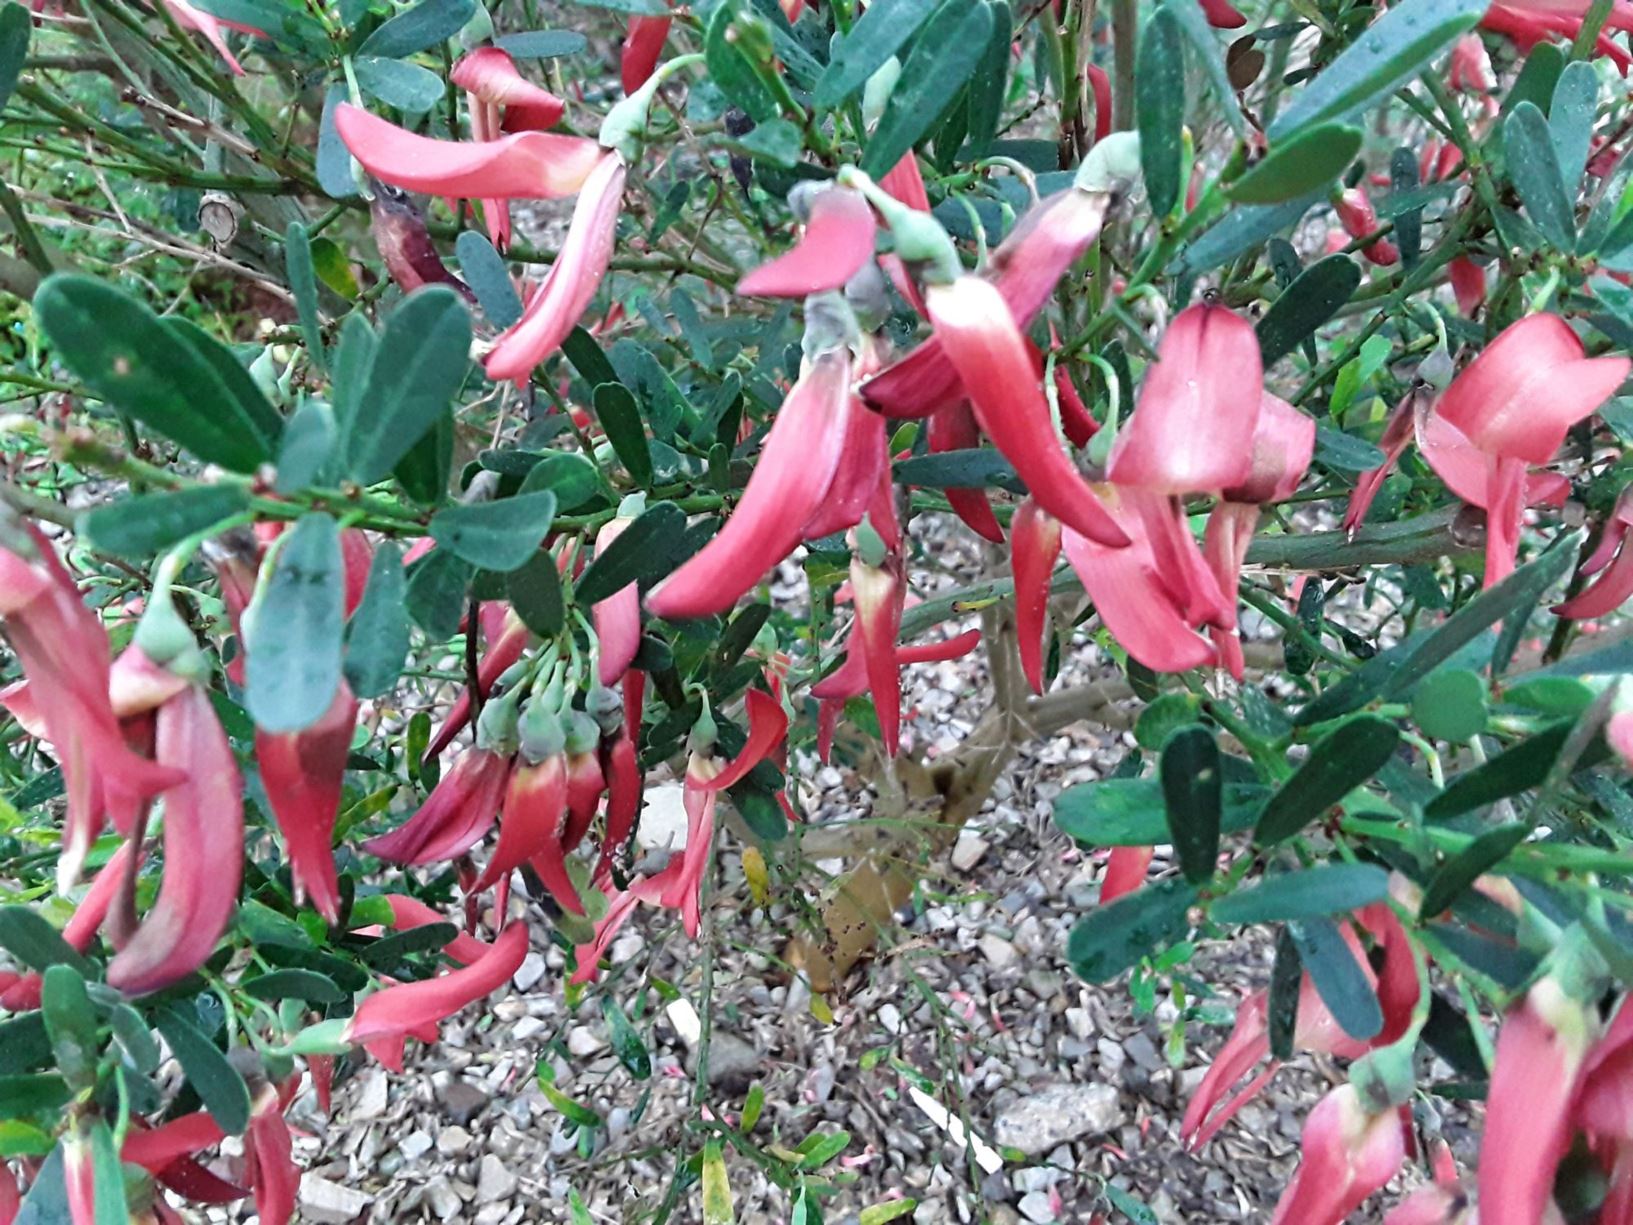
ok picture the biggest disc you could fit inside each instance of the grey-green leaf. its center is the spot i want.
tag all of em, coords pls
(303, 282)
(620, 418)
(294, 640)
(1193, 798)
(1570, 120)
(408, 87)
(425, 25)
(946, 53)
(498, 535)
(1313, 298)
(644, 551)
(485, 272)
(377, 638)
(1111, 939)
(1296, 167)
(126, 355)
(1160, 107)
(1533, 168)
(1338, 763)
(149, 523)
(213, 1078)
(15, 26)
(1328, 889)
(1393, 50)
(418, 366)
(882, 30)
(436, 593)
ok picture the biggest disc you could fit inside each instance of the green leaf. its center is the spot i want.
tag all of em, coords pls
(498, 535)
(240, 384)
(424, 471)
(128, 357)
(1331, 889)
(424, 26)
(1130, 811)
(1518, 768)
(1451, 705)
(306, 985)
(1242, 230)
(15, 26)
(377, 636)
(418, 366)
(1286, 985)
(1570, 120)
(32, 941)
(107, 1178)
(620, 418)
(211, 1075)
(1192, 793)
(70, 1022)
(294, 638)
(23, 1041)
(1135, 1210)
(1160, 108)
(33, 1094)
(889, 1210)
(1339, 980)
(149, 523)
(1390, 52)
(303, 282)
(353, 358)
(1338, 763)
(131, 1032)
(1114, 938)
(1345, 452)
(775, 142)
(643, 553)
(1313, 298)
(408, 87)
(1472, 862)
(1205, 39)
(991, 83)
(1310, 160)
(966, 469)
(591, 363)
(1533, 168)
(730, 68)
(1537, 80)
(436, 593)
(19, 1139)
(946, 53)
(818, 1148)
(572, 478)
(307, 445)
(1397, 670)
(536, 596)
(334, 269)
(541, 44)
(485, 272)
(882, 30)
(626, 1042)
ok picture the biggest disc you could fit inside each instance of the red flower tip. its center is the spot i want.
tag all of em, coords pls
(953, 428)
(767, 727)
(459, 811)
(303, 773)
(795, 472)
(490, 76)
(836, 242)
(990, 354)
(567, 289)
(1348, 1154)
(1034, 548)
(643, 44)
(203, 851)
(399, 1009)
(1192, 431)
(530, 165)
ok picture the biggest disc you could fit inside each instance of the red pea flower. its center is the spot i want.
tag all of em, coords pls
(1024, 269)
(1529, 22)
(785, 492)
(864, 463)
(1348, 1154)
(408, 913)
(1222, 15)
(1442, 1202)
(565, 293)
(1612, 562)
(617, 618)
(502, 100)
(303, 773)
(1541, 1049)
(643, 44)
(406, 1007)
(1515, 402)
(989, 354)
(190, 17)
(850, 679)
(507, 637)
(1125, 872)
(269, 1162)
(836, 241)
(203, 850)
(411, 258)
(1283, 444)
(1468, 284)
(64, 653)
(530, 165)
(464, 804)
(1034, 549)
(953, 428)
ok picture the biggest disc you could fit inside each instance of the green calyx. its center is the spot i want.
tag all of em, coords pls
(625, 123)
(919, 238)
(1384, 1077)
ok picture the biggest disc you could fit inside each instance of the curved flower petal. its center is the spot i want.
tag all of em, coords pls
(835, 243)
(406, 1006)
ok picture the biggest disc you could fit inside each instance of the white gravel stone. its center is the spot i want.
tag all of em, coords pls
(1055, 1114)
(494, 1180)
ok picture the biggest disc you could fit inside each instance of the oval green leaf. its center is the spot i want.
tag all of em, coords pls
(1309, 160)
(294, 639)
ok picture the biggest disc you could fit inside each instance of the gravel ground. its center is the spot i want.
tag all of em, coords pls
(970, 1008)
